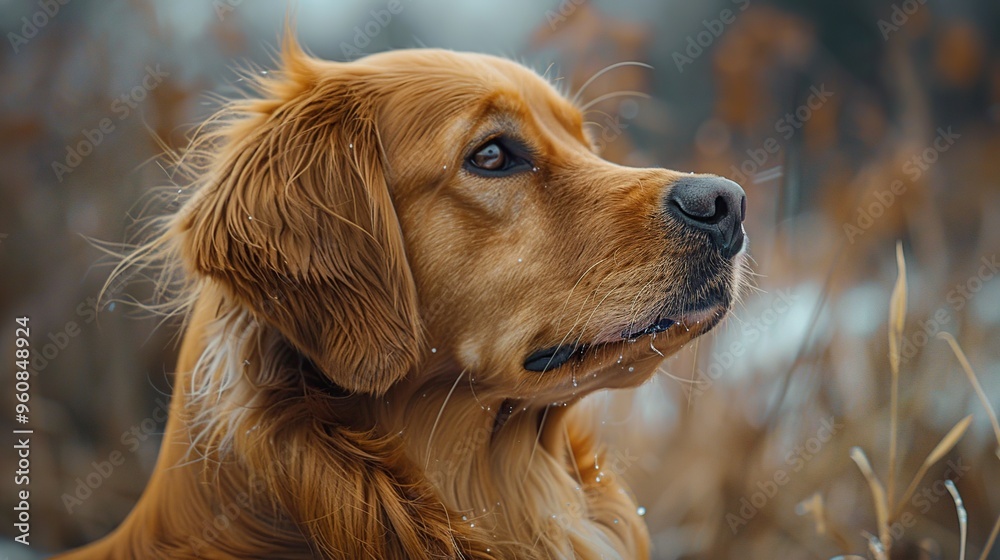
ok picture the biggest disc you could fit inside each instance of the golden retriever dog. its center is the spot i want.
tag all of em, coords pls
(400, 276)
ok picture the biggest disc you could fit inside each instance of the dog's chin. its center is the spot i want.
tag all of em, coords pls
(665, 326)
(626, 360)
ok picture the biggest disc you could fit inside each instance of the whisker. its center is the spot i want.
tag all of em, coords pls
(570, 295)
(430, 438)
(546, 73)
(598, 306)
(538, 437)
(600, 112)
(603, 71)
(612, 95)
(694, 371)
(653, 348)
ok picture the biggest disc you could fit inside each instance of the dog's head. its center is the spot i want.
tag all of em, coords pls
(448, 210)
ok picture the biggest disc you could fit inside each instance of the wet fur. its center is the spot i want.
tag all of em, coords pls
(358, 309)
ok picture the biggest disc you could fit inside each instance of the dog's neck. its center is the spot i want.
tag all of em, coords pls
(514, 470)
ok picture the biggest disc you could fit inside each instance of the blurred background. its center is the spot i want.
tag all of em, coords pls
(852, 125)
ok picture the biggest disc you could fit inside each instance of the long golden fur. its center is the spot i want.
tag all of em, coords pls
(360, 305)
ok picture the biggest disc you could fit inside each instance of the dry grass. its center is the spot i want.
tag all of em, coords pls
(711, 480)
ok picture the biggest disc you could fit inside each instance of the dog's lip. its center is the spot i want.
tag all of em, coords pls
(548, 359)
(660, 324)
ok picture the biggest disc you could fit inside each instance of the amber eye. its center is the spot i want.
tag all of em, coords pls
(490, 157)
(499, 157)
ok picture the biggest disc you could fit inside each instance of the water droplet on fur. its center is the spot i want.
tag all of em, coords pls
(445, 167)
(246, 362)
(472, 524)
(631, 369)
(111, 306)
(631, 340)
(641, 511)
(350, 146)
(575, 384)
(520, 260)
(534, 170)
(597, 479)
(464, 518)
(434, 350)
(616, 521)
(263, 72)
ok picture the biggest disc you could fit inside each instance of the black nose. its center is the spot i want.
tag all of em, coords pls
(713, 205)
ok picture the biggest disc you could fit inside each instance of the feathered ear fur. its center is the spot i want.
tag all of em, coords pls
(295, 220)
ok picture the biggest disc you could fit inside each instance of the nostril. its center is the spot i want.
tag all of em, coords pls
(710, 215)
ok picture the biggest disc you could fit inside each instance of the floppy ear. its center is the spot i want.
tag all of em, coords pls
(295, 220)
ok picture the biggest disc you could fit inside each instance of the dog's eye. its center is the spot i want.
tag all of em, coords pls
(496, 159)
(490, 157)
